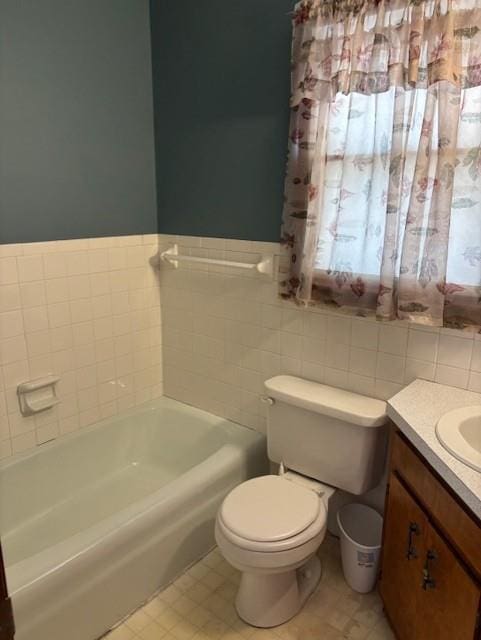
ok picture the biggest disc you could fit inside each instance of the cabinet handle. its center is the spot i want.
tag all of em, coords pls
(428, 580)
(413, 530)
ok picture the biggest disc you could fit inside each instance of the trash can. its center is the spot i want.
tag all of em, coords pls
(361, 532)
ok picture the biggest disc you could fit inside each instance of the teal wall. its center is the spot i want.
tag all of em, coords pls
(76, 119)
(221, 91)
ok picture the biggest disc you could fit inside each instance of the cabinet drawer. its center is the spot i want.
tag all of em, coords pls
(450, 517)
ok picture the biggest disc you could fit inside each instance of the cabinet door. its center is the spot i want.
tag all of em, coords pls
(449, 600)
(402, 559)
(6, 615)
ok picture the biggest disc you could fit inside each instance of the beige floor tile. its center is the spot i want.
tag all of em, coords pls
(337, 619)
(152, 631)
(349, 603)
(242, 628)
(382, 631)
(264, 634)
(215, 603)
(171, 594)
(200, 605)
(200, 635)
(169, 618)
(198, 571)
(184, 582)
(184, 630)
(213, 559)
(198, 592)
(289, 631)
(183, 605)
(155, 607)
(199, 616)
(355, 631)
(213, 580)
(138, 621)
(368, 617)
(214, 628)
(230, 634)
(226, 570)
(228, 591)
(120, 633)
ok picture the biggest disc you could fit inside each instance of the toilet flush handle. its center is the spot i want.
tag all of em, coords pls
(268, 400)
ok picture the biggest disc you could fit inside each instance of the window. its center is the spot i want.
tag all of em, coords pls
(355, 205)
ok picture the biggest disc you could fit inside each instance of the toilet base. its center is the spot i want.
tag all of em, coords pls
(268, 600)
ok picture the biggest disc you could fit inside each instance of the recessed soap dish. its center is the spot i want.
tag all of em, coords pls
(38, 395)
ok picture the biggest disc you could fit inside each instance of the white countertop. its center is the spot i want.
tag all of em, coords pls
(416, 411)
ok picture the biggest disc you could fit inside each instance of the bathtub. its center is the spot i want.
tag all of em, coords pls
(95, 522)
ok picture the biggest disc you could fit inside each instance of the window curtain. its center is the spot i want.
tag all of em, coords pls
(383, 188)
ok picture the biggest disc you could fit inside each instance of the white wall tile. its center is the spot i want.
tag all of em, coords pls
(474, 382)
(54, 265)
(455, 351)
(264, 336)
(30, 268)
(337, 355)
(291, 344)
(476, 357)
(313, 350)
(393, 339)
(57, 290)
(422, 345)
(59, 305)
(9, 297)
(59, 315)
(11, 324)
(364, 334)
(452, 376)
(362, 362)
(31, 294)
(338, 330)
(315, 325)
(35, 319)
(419, 369)
(390, 367)
(8, 271)
(13, 349)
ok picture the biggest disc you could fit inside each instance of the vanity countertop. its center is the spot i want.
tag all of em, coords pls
(416, 410)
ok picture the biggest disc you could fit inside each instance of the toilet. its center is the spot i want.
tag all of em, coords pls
(271, 527)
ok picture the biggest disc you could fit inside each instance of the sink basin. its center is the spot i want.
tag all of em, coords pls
(459, 431)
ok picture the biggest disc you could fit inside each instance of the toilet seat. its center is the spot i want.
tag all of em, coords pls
(271, 514)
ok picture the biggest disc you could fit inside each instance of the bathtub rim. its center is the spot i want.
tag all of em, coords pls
(148, 407)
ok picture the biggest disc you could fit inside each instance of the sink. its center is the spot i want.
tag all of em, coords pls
(459, 431)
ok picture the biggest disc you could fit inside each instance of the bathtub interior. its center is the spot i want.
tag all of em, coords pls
(71, 484)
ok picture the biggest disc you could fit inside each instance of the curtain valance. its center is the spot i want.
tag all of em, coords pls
(368, 46)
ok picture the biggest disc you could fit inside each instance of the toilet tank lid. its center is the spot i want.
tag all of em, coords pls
(329, 401)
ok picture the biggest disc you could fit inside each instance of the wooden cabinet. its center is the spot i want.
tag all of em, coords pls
(6, 615)
(429, 583)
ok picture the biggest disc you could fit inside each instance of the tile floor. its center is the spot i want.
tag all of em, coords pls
(200, 606)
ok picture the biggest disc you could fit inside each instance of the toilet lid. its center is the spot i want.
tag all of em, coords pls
(269, 508)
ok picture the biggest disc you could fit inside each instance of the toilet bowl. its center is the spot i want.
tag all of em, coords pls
(270, 529)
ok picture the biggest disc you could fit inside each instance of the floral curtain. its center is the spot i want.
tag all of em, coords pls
(383, 187)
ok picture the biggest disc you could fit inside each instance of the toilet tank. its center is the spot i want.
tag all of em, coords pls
(335, 436)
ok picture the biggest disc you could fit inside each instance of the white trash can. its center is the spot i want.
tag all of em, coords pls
(361, 533)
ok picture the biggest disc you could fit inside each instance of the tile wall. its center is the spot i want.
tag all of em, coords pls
(87, 311)
(224, 333)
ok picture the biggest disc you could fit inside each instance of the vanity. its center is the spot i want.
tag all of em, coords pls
(430, 580)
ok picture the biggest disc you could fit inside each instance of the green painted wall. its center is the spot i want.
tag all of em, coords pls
(76, 119)
(221, 91)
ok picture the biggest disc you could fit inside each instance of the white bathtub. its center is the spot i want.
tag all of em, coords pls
(93, 523)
